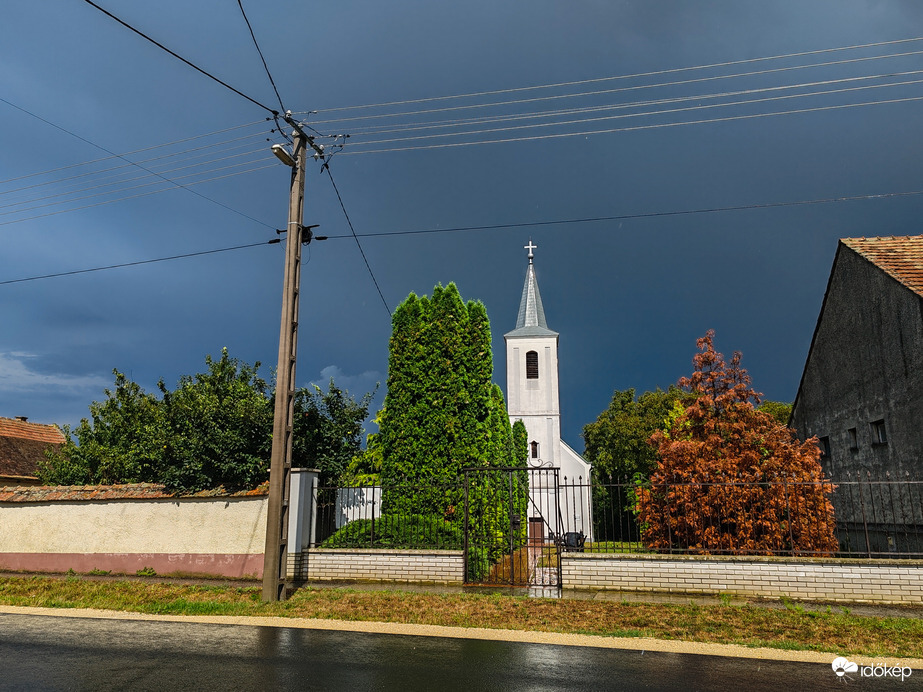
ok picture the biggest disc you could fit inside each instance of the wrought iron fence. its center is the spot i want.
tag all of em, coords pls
(359, 517)
(505, 520)
(853, 517)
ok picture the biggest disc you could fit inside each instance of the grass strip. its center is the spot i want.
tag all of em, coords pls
(793, 628)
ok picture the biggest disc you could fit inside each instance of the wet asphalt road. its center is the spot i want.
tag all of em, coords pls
(55, 653)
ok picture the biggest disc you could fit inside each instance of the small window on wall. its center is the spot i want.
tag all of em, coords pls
(534, 446)
(825, 448)
(879, 437)
(531, 365)
(853, 439)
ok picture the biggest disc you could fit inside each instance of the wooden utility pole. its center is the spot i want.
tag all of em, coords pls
(280, 465)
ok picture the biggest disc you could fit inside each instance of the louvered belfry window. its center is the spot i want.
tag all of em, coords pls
(531, 365)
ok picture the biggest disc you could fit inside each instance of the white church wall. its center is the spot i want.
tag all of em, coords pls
(576, 493)
(574, 468)
(532, 396)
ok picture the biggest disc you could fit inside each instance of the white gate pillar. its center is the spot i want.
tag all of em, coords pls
(302, 520)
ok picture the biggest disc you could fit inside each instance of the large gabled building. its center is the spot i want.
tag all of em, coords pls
(861, 393)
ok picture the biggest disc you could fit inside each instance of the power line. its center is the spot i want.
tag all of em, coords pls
(361, 131)
(632, 128)
(644, 215)
(497, 130)
(135, 264)
(122, 156)
(181, 58)
(265, 66)
(122, 181)
(356, 238)
(634, 87)
(526, 224)
(617, 77)
(648, 113)
(116, 156)
(154, 192)
(137, 187)
(208, 150)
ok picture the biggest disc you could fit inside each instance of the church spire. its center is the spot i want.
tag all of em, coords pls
(531, 318)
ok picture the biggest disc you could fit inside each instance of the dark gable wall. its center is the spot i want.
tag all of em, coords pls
(865, 364)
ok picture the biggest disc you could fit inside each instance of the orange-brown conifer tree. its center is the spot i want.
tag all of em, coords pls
(731, 479)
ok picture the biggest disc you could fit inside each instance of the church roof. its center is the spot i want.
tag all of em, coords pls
(899, 256)
(531, 319)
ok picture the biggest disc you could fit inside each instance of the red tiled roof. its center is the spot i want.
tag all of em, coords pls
(10, 427)
(23, 444)
(899, 256)
(133, 491)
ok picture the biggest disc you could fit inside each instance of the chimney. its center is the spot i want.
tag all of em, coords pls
(22, 418)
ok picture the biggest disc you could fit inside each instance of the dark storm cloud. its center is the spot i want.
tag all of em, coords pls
(628, 297)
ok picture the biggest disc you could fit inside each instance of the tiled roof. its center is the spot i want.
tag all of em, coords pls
(23, 444)
(13, 427)
(899, 256)
(134, 491)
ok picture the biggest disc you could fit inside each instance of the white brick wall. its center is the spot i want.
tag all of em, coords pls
(862, 581)
(418, 566)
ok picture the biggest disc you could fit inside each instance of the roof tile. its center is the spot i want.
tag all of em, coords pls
(901, 257)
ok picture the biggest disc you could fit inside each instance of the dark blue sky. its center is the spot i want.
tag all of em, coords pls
(629, 297)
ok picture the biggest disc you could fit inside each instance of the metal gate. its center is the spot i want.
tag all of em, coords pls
(513, 527)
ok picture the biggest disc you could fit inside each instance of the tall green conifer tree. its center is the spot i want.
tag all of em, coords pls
(442, 412)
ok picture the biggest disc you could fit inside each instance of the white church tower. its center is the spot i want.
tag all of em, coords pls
(532, 397)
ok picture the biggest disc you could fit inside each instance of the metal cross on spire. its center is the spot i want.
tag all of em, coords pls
(530, 247)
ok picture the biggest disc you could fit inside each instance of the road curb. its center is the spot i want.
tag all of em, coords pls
(552, 638)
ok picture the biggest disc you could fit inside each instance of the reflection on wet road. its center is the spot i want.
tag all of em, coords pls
(53, 653)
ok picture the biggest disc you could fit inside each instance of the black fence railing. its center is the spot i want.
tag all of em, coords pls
(496, 516)
(854, 517)
(879, 518)
(353, 517)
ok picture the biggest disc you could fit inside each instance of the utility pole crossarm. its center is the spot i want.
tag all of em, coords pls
(296, 126)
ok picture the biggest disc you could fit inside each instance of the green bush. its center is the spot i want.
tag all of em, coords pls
(398, 531)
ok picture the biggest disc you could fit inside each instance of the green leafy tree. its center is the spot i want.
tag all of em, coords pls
(364, 468)
(217, 423)
(618, 442)
(214, 429)
(780, 410)
(618, 445)
(328, 430)
(123, 441)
